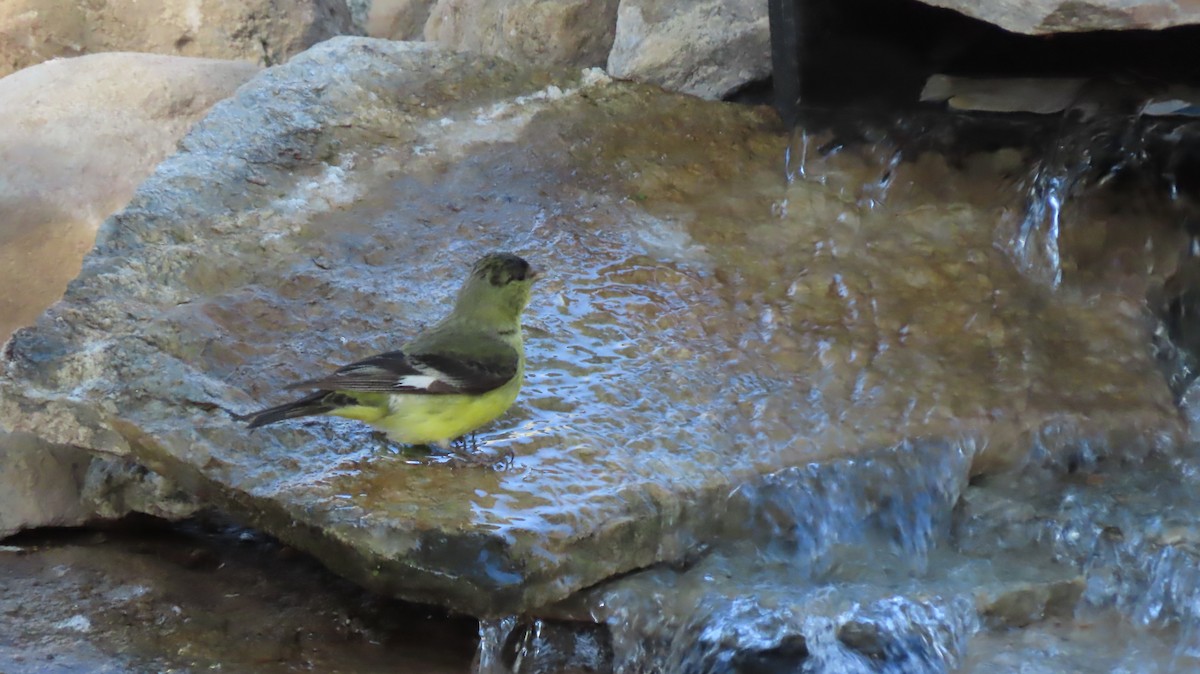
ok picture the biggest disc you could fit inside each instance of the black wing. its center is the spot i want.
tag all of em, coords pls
(398, 372)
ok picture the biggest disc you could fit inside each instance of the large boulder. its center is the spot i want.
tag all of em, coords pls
(79, 136)
(259, 31)
(702, 323)
(708, 49)
(544, 32)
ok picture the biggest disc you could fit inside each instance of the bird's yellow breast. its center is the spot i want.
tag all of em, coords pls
(417, 419)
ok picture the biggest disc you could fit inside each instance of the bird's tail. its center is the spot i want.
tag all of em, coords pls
(321, 402)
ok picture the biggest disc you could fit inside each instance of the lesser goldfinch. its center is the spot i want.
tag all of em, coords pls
(458, 375)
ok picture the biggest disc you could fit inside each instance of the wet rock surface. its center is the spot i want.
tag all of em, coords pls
(1092, 570)
(703, 323)
(850, 566)
(204, 596)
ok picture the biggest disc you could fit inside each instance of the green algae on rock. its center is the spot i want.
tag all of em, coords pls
(702, 322)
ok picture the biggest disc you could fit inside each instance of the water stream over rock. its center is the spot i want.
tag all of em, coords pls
(891, 562)
(755, 405)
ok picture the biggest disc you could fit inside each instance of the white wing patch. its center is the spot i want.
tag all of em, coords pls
(416, 381)
(426, 379)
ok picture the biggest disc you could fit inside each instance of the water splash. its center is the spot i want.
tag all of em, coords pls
(1035, 245)
(1129, 528)
(806, 551)
(901, 496)
(1138, 541)
(1054, 178)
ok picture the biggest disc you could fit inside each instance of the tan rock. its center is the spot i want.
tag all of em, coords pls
(1039, 17)
(260, 31)
(548, 32)
(398, 19)
(48, 490)
(79, 136)
(707, 49)
(31, 34)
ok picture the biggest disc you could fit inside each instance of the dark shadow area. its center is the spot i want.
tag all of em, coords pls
(868, 52)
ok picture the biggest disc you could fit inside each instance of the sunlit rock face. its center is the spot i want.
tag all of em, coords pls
(1075, 16)
(79, 135)
(542, 32)
(703, 321)
(260, 31)
(707, 49)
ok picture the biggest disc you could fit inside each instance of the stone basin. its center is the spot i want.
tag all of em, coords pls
(704, 322)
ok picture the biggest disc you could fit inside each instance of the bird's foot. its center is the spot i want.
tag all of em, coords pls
(465, 444)
(465, 453)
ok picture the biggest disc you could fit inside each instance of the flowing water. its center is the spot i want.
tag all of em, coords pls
(1081, 557)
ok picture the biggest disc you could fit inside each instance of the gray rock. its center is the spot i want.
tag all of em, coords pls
(707, 49)
(697, 328)
(1074, 16)
(544, 32)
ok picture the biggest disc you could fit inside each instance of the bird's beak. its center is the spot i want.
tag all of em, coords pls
(535, 274)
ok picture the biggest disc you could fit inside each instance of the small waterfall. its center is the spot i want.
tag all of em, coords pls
(766, 592)
(857, 564)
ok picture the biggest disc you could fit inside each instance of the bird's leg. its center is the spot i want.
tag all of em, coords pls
(466, 453)
(508, 457)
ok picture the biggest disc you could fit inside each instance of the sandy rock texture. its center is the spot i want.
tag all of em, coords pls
(397, 19)
(260, 31)
(79, 136)
(545, 32)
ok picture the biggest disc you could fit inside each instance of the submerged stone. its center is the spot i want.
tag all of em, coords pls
(703, 321)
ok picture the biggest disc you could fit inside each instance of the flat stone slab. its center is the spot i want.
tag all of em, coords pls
(703, 321)
(1040, 17)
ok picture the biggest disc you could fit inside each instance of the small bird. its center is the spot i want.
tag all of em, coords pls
(458, 375)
